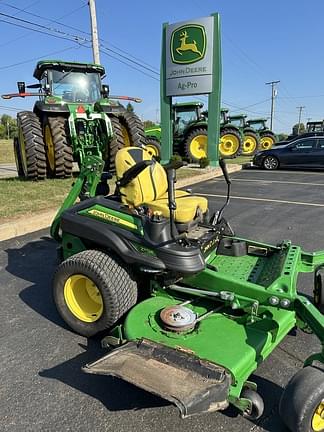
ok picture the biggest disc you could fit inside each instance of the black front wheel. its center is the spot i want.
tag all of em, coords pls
(270, 163)
(301, 406)
(257, 404)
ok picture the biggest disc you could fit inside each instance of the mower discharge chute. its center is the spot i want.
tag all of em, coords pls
(213, 305)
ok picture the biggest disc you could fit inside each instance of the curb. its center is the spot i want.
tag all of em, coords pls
(27, 225)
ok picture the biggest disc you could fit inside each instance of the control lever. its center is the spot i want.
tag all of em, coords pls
(216, 218)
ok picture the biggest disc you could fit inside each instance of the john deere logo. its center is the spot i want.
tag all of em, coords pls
(188, 44)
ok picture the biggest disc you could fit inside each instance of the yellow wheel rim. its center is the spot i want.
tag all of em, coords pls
(249, 144)
(318, 418)
(83, 298)
(266, 143)
(198, 147)
(22, 146)
(126, 137)
(153, 151)
(49, 147)
(229, 145)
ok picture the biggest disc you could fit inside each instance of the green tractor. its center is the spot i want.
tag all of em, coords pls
(73, 117)
(190, 133)
(251, 141)
(192, 309)
(315, 126)
(267, 137)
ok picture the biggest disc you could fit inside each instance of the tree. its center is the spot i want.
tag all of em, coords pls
(129, 107)
(282, 137)
(8, 125)
(148, 123)
(302, 129)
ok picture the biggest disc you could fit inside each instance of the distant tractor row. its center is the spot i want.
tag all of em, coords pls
(237, 135)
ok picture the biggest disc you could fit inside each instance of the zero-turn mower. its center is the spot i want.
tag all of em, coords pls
(192, 309)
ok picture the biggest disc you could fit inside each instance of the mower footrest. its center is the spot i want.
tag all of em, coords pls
(194, 385)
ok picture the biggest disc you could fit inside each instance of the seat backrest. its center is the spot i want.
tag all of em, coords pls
(149, 185)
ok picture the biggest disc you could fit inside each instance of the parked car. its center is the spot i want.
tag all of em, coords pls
(303, 153)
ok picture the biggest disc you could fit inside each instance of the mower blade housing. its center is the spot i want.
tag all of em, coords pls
(195, 386)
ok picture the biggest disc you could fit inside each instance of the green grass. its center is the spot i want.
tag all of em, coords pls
(23, 198)
(240, 160)
(6, 152)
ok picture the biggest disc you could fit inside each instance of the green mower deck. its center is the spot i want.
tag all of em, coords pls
(243, 307)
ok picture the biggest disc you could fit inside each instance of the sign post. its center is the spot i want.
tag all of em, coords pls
(191, 65)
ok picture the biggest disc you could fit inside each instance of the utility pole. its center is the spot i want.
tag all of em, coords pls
(94, 31)
(300, 108)
(273, 95)
(8, 129)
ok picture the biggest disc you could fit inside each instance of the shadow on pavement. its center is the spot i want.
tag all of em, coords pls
(118, 395)
(35, 262)
(115, 394)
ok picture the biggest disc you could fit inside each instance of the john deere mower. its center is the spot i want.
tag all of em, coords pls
(192, 309)
(74, 115)
(190, 133)
(266, 136)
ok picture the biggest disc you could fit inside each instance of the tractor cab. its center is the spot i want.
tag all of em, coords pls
(315, 126)
(238, 120)
(71, 82)
(258, 124)
(185, 114)
(224, 117)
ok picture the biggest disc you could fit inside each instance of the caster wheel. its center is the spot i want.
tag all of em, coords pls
(257, 407)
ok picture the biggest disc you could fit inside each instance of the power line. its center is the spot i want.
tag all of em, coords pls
(37, 58)
(86, 33)
(75, 38)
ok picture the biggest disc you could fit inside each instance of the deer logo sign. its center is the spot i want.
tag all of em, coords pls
(188, 44)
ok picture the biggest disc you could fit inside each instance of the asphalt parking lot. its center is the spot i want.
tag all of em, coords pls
(42, 385)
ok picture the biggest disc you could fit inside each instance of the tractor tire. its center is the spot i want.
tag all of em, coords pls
(116, 144)
(154, 148)
(196, 145)
(92, 290)
(267, 140)
(132, 129)
(59, 153)
(250, 144)
(17, 154)
(230, 145)
(301, 407)
(31, 146)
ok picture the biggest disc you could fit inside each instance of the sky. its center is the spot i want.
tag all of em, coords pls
(261, 41)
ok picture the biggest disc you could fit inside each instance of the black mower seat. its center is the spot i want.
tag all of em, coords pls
(150, 187)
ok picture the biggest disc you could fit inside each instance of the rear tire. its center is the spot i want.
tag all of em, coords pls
(132, 129)
(18, 157)
(230, 145)
(31, 146)
(154, 148)
(267, 140)
(114, 291)
(250, 143)
(59, 153)
(270, 163)
(301, 406)
(196, 145)
(115, 144)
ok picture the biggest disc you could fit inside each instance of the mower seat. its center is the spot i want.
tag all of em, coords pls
(150, 187)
